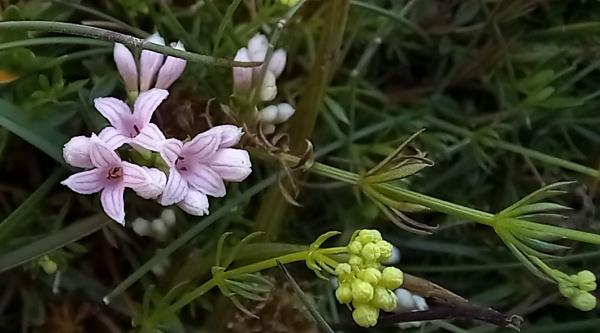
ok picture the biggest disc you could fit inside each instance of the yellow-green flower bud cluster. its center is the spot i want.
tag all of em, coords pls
(363, 282)
(577, 289)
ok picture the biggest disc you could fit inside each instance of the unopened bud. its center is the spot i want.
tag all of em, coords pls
(584, 301)
(371, 275)
(369, 236)
(370, 252)
(141, 227)
(384, 299)
(362, 292)
(168, 215)
(365, 315)
(392, 278)
(343, 293)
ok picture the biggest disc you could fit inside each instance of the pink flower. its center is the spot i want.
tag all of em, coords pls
(154, 70)
(110, 176)
(129, 126)
(199, 167)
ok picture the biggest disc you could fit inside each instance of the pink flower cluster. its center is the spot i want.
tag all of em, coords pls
(190, 170)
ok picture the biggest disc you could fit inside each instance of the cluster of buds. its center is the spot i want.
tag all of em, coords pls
(273, 115)
(246, 80)
(167, 170)
(363, 282)
(157, 228)
(577, 289)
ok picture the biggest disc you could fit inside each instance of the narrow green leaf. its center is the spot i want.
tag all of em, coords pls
(537, 208)
(56, 240)
(28, 206)
(337, 110)
(397, 174)
(36, 133)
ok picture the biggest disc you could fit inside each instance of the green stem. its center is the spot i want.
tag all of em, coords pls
(98, 33)
(257, 267)
(52, 41)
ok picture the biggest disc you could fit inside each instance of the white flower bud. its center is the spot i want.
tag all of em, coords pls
(141, 226)
(268, 114)
(168, 216)
(284, 112)
(277, 63)
(268, 91)
(76, 152)
(159, 229)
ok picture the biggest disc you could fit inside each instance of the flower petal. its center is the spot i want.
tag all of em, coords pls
(85, 182)
(171, 150)
(230, 134)
(171, 70)
(284, 112)
(268, 91)
(150, 62)
(145, 105)
(134, 175)
(150, 137)
(206, 180)
(116, 111)
(113, 203)
(194, 203)
(175, 189)
(154, 186)
(257, 47)
(231, 164)
(201, 147)
(126, 66)
(242, 76)
(277, 62)
(102, 156)
(76, 152)
(112, 138)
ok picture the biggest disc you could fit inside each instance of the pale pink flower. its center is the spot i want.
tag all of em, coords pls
(132, 126)
(154, 71)
(199, 167)
(110, 176)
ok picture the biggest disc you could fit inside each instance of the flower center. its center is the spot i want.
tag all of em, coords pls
(136, 131)
(114, 173)
(180, 163)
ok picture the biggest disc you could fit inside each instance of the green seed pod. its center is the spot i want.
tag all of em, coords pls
(370, 252)
(584, 301)
(392, 278)
(370, 275)
(365, 315)
(384, 299)
(362, 292)
(344, 293)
